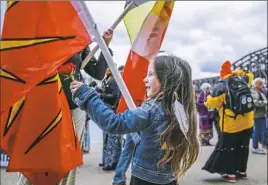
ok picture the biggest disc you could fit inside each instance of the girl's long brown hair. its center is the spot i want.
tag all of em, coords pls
(175, 75)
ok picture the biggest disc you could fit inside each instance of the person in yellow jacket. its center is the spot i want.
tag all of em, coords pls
(231, 152)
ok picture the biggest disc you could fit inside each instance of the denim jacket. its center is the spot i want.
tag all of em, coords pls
(148, 119)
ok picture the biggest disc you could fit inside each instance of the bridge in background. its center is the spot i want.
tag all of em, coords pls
(255, 62)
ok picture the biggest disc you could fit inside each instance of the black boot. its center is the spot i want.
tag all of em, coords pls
(108, 168)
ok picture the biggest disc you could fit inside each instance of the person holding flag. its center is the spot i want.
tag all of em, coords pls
(68, 72)
(167, 122)
(37, 38)
(146, 24)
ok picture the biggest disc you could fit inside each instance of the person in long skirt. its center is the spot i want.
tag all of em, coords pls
(112, 143)
(205, 116)
(230, 155)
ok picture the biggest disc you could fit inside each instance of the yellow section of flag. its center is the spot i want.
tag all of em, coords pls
(158, 7)
(134, 18)
(146, 33)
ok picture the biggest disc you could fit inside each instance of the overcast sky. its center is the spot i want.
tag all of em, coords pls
(204, 33)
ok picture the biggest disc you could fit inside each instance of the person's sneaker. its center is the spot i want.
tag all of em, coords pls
(242, 175)
(229, 178)
(258, 151)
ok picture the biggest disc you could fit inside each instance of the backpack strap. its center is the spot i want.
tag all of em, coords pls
(229, 99)
(234, 117)
(223, 113)
(227, 87)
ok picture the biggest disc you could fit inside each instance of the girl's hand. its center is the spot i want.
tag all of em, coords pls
(75, 85)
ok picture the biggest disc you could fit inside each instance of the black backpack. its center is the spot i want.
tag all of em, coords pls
(239, 98)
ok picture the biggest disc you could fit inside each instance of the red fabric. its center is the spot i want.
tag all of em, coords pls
(37, 131)
(136, 66)
(66, 68)
(134, 73)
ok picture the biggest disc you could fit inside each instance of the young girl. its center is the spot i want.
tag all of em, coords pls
(168, 147)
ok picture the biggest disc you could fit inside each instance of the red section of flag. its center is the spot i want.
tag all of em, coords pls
(37, 38)
(136, 66)
(134, 73)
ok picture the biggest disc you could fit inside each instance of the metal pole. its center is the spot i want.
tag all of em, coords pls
(109, 59)
(114, 25)
(2, 16)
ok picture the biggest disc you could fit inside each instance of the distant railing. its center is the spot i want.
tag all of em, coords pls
(255, 62)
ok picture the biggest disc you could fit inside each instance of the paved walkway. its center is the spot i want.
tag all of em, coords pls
(91, 174)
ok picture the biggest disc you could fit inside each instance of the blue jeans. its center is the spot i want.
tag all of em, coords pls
(259, 132)
(86, 143)
(124, 160)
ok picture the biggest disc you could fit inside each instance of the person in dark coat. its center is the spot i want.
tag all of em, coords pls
(112, 144)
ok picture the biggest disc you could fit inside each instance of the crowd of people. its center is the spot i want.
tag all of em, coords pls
(215, 110)
(237, 105)
(166, 124)
(168, 146)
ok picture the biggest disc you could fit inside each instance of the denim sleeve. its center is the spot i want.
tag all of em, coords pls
(127, 122)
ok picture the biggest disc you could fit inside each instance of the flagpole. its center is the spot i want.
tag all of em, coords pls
(114, 25)
(2, 16)
(109, 59)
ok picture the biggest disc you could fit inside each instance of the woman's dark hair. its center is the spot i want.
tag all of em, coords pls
(175, 75)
